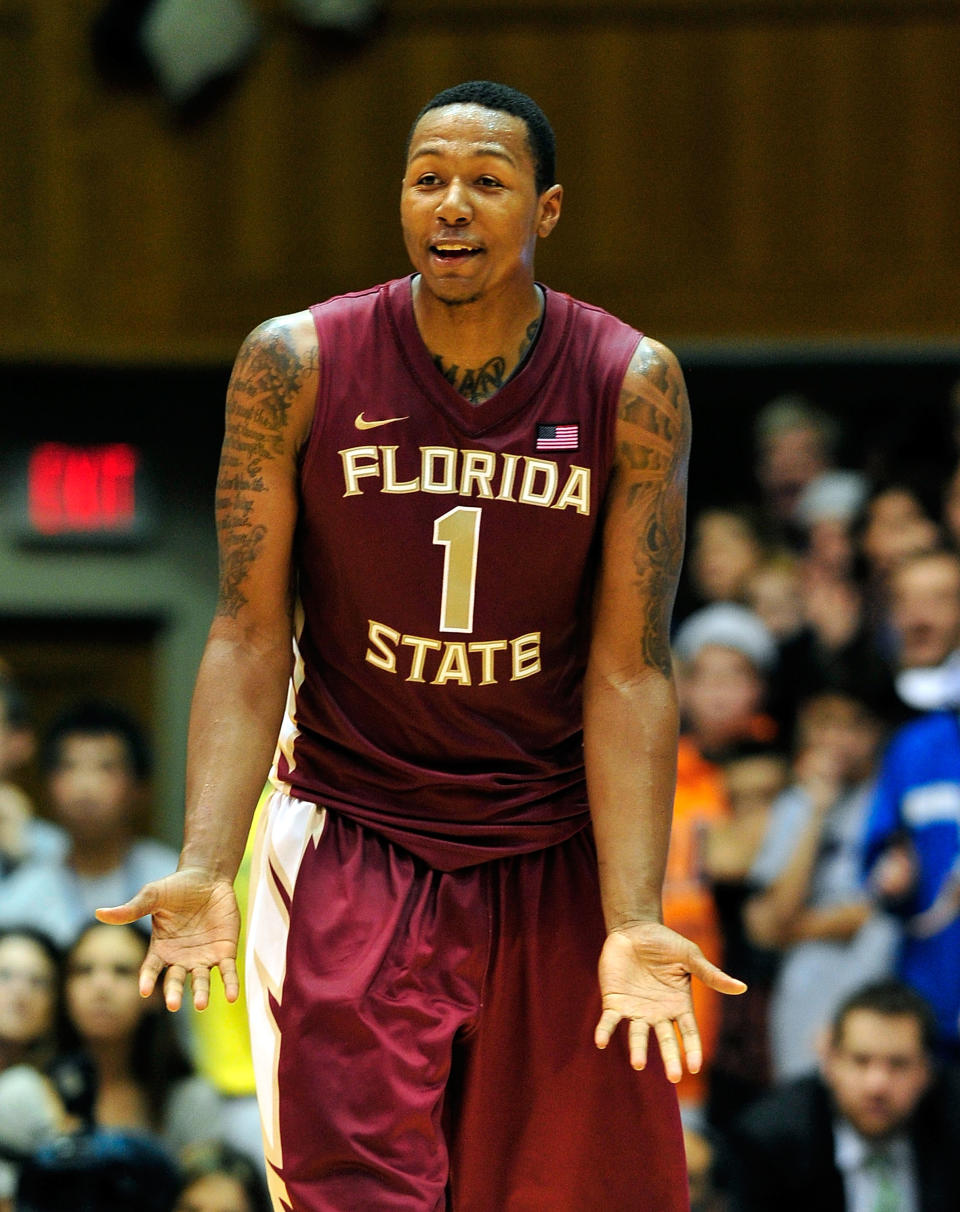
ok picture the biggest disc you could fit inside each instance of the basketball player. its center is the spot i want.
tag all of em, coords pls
(462, 494)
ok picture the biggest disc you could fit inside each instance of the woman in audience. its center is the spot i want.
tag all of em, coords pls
(30, 998)
(144, 1081)
(30, 1025)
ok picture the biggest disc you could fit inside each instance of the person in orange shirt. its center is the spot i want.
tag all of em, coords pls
(724, 654)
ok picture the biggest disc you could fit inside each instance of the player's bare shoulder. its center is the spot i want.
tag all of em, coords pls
(273, 385)
(653, 416)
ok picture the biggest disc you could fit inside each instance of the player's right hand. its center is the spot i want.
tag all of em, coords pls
(195, 927)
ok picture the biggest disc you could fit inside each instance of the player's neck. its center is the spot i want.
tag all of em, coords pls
(478, 345)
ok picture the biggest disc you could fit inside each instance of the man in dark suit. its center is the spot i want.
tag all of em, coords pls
(878, 1130)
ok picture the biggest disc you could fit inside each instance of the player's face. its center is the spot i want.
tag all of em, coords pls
(877, 1071)
(469, 205)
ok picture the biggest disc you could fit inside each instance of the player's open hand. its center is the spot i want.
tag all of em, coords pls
(195, 926)
(645, 971)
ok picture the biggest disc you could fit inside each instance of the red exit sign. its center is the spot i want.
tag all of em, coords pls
(78, 491)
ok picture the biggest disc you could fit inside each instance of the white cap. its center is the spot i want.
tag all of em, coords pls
(729, 626)
(834, 494)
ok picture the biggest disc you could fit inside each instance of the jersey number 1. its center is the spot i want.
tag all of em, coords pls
(458, 532)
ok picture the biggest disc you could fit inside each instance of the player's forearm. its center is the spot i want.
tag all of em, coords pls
(234, 723)
(630, 742)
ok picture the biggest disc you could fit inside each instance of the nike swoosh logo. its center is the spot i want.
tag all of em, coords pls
(362, 424)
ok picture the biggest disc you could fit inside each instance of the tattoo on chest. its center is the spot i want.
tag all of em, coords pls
(474, 384)
(480, 383)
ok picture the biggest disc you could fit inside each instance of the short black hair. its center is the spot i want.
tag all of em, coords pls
(97, 718)
(890, 998)
(507, 100)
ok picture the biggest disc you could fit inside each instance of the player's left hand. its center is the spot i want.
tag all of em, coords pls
(645, 971)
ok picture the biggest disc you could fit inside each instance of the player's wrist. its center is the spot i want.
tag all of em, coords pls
(622, 921)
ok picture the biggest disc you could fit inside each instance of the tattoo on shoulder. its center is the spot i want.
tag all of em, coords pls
(268, 374)
(658, 372)
(653, 463)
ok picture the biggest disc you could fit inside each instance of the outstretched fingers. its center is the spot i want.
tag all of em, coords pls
(231, 979)
(669, 1035)
(638, 1035)
(173, 986)
(150, 970)
(690, 1038)
(605, 1028)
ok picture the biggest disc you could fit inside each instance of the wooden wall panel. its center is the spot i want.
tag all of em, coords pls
(783, 169)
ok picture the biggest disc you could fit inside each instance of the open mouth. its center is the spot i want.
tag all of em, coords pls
(452, 252)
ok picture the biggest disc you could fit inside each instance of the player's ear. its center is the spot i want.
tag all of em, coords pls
(549, 210)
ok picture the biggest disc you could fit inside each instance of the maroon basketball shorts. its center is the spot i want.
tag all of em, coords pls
(423, 1040)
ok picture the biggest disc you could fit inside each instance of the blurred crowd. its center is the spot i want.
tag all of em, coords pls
(108, 1102)
(815, 850)
(815, 853)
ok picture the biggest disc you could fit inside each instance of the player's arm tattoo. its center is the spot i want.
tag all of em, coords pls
(268, 374)
(653, 448)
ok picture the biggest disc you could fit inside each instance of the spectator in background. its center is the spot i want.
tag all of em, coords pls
(24, 837)
(219, 1178)
(31, 1116)
(878, 1122)
(143, 1079)
(912, 845)
(813, 906)
(753, 775)
(925, 608)
(31, 1018)
(775, 591)
(31, 1023)
(97, 764)
(725, 549)
(723, 655)
(795, 444)
(704, 1170)
(894, 524)
(815, 605)
(826, 512)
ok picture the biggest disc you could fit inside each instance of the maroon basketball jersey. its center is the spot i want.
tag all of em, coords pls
(446, 555)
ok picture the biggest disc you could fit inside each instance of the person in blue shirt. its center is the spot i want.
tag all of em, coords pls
(912, 860)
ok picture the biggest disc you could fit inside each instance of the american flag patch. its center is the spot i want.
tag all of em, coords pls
(558, 437)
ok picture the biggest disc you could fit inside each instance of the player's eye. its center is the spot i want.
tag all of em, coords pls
(428, 179)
